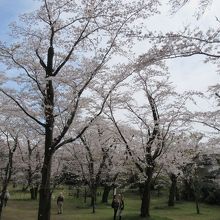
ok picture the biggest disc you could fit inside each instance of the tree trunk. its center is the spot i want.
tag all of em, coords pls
(172, 193)
(45, 192)
(85, 195)
(188, 192)
(77, 193)
(1, 204)
(3, 192)
(196, 188)
(177, 194)
(146, 191)
(33, 192)
(36, 192)
(93, 198)
(7, 177)
(197, 205)
(105, 194)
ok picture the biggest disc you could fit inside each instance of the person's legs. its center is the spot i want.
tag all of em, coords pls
(59, 207)
(119, 213)
(115, 212)
(5, 202)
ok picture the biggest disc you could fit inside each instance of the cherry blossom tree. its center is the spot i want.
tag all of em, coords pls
(94, 156)
(189, 40)
(155, 122)
(202, 5)
(9, 145)
(60, 56)
(31, 158)
(182, 151)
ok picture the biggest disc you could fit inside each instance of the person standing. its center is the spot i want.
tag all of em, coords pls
(60, 200)
(6, 198)
(121, 205)
(118, 205)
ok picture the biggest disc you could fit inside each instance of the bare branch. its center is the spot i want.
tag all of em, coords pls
(22, 108)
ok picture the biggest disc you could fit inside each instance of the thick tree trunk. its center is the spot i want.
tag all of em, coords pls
(146, 191)
(105, 194)
(172, 193)
(45, 192)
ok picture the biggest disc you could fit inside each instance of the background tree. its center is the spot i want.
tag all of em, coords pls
(202, 5)
(155, 121)
(182, 152)
(94, 155)
(31, 158)
(9, 139)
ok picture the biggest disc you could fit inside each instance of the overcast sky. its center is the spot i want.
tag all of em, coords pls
(186, 73)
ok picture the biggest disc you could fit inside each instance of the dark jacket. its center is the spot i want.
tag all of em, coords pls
(60, 199)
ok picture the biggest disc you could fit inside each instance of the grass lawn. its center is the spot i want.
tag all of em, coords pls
(75, 209)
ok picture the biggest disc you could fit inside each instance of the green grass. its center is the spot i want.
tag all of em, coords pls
(20, 208)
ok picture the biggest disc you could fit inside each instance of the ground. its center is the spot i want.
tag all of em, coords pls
(20, 207)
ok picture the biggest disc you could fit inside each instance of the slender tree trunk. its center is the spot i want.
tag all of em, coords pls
(93, 198)
(36, 192)
(33, 192)
(197, 205)
(7, 176)
(105, 194)
(1, 206)
(85, 195)
(196, 192)
(3, 192)
(172, 193)
(196, 188)
(146, 191)
(77, 193)
(177, 194)
(2, 199)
